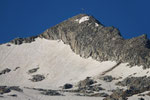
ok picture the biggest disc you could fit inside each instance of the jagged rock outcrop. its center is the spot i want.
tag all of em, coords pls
(87, 37)
(19, 41)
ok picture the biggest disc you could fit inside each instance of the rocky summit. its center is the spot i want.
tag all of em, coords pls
(87, 37)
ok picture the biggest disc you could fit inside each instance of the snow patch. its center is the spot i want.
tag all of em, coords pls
(96, 24)
(83, 19)
(125, 71)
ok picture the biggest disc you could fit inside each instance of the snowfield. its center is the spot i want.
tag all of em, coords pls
(83, 19)
(58, 64)
(55, 60)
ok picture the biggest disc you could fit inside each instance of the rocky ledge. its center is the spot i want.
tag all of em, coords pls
(87, 37)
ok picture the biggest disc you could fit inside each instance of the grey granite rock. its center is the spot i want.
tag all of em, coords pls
(100, 42)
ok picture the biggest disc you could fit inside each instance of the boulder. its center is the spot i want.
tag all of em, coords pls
(37, 78)
(67, 86)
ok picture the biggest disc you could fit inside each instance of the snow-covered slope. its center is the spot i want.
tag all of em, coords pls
(58, 63)
(55, 60)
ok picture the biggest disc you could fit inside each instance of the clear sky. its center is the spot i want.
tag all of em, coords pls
(24, 18)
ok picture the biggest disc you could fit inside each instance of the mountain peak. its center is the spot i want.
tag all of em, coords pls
(87, 37)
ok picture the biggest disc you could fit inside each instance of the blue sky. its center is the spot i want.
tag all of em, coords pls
(24, 18)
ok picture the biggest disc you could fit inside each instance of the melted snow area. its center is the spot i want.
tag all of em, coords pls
(58, 64)
(83, 19)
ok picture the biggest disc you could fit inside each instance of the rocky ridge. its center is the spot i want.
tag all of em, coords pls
(87, 37)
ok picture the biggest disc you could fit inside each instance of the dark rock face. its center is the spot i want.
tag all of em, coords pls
(92, 39)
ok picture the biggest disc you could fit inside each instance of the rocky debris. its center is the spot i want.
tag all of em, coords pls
(67, 86)
(16, 68)
(94, 88)
(1, 96)
(7, 89)
(6, 70)
(47, 91)
(8, 45)
(141, 99)
(4, 89)
(135, 85)
(107, 78)
(118, 94)
(88, 86)
(93, 94)
(141, 94)
(99, 94)
(69, 90)
(13, 95)
(19, 41)
(15, 88)
(85, 83)
(51, 93)
(37, 78)
(33, 70)
(148, 94)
